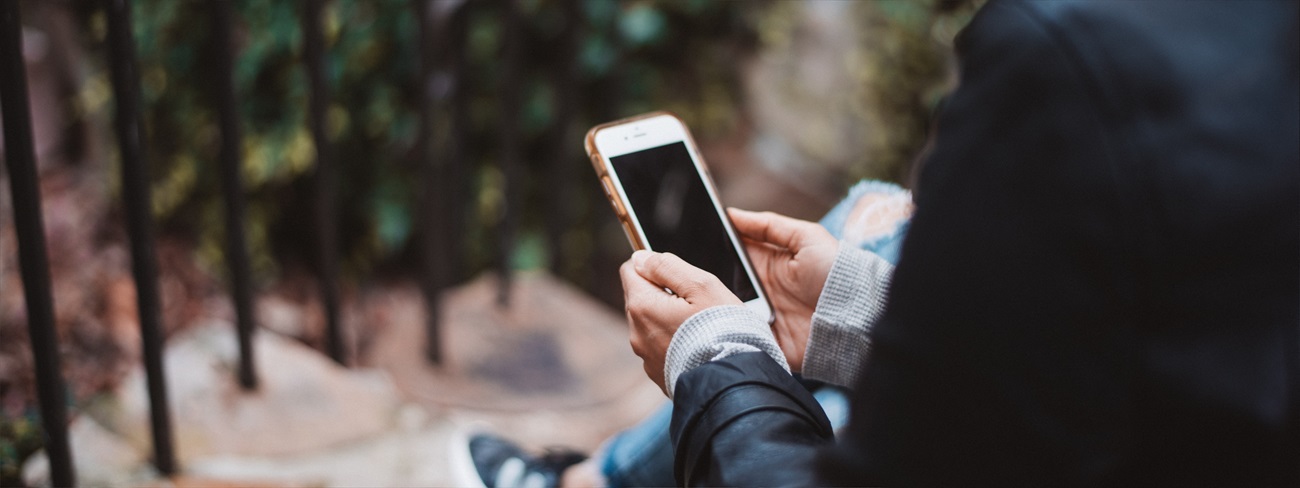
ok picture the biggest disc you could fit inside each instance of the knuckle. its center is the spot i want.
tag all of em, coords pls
(700, 283)
(693, 286)
(657, 262)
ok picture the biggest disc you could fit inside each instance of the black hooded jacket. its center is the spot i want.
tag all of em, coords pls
(1101, 283)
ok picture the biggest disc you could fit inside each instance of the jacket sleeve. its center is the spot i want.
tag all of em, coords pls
(744, 421)
(715, 333)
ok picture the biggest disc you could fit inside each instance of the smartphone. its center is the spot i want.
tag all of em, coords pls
(660, 189)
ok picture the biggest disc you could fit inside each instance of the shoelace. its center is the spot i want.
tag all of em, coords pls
(514, 473)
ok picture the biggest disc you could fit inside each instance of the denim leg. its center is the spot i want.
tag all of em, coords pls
(886, 245)
(835, 402)
(641, 455)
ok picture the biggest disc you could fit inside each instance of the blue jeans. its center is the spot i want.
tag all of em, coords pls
(643, 454)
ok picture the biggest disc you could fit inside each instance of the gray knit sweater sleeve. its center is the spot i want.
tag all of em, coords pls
(850, 304)
(715, 333)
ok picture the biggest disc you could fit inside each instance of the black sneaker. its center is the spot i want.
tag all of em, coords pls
(500, 463)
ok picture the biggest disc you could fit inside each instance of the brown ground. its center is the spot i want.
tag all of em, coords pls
(553, 369)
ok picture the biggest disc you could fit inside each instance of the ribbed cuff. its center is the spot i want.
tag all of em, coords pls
(851, 302)
(715, 333)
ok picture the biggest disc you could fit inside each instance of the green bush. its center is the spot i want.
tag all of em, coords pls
(20, 437)
(629, 60)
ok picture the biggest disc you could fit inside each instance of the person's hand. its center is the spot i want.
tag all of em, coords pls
(792, 258)
(654, 314)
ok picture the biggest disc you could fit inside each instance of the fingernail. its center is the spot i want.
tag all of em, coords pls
(638, 259)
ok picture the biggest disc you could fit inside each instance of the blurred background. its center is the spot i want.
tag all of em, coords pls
(415, 205)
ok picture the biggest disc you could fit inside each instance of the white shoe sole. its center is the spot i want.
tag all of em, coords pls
(463, 471)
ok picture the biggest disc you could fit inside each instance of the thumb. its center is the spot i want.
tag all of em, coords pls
(771, 228)
(671, 272)
(635, 285)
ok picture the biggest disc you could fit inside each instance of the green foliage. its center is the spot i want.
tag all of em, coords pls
(642, 25)
(20, 437)
(906, 72)
(629, 59)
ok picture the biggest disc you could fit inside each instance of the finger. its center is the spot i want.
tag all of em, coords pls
(771, 227)
(671, 272)
(761, 254)
(635, 287)
(757, 248)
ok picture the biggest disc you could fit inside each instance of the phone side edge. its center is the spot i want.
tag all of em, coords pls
(635, 237)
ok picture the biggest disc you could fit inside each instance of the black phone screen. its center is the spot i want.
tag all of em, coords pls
(677, 215)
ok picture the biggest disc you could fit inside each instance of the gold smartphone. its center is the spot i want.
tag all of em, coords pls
(654, 177)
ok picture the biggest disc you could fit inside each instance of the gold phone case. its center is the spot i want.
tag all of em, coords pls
(634, 235)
